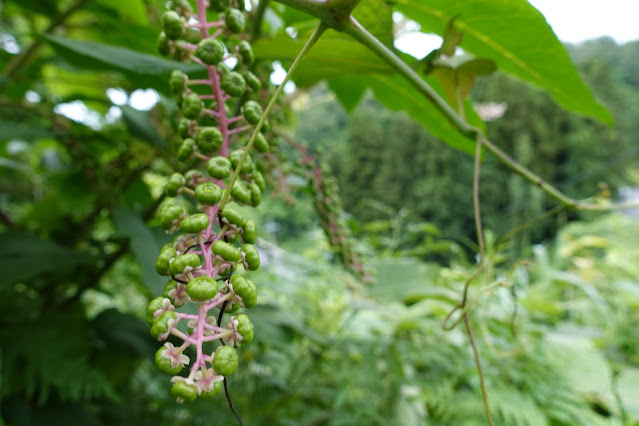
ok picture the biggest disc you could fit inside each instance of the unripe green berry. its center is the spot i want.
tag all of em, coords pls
(251, 80)
(164, 364)
(246, 53)
(192, 106)
(210, 51)
(226, 251)
(233, 83)
(236, 156)
(153, 306)
(209, 139)
(194, 223)
(258, 178)
(208, 193)
(235, 21)
(192, 35)
(182, 7)
(172, 24)
(245, 289)
(161, 323)
(233, 217)
(164, 47)
(162, 263)
(219, 167)
(256, 194)
(182, 390)
(201, 288)
(184, 262)
(170, 214)
(245, 328)
(186, 150)
(175, 184)
(217, 386)
(251, 256)
(265, 127)
(225, 360)
(252, 111)
(177, 82)
(170, 285)
(260, 143)
(220, 5)
(249, 231)
(184, 128)
(233, 308)
(241, 193)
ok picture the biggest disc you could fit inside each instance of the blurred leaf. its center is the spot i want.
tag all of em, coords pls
(451, 39)
(140, 125)
(628, 391)
(470, 70)
(124, 333)
(142, 68)
(134, 10)
(517, 37)
(23, 131)
(137, 196)
(143, 246)
(334, 55)
(377, 17)
(397, 94)
(25, 256)
(408, 280)
(348, 89)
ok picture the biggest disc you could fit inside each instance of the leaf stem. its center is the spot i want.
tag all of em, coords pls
(359, 33)
(317, 33)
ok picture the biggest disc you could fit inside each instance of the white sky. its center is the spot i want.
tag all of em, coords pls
(572, 20)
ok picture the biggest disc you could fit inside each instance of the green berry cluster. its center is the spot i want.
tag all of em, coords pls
(214, 242)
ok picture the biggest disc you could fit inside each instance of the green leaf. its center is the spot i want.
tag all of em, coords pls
(377, 17)
(397, 94)
(134, 10)
(348, 89)
(517, 37)
(408, 280)
(140, 125)
(628, 390)
(143, 245)
(25, 256)
(333, 56)
(124, 333)
(143, 69)
(24, 131)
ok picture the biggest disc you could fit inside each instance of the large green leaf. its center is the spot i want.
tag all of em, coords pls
(396, 93)
(334, 55)
(517, 37)
(143, 69)
(140, 125)
(350, 67)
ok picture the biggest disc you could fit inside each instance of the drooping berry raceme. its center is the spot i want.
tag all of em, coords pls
(328, 205)
(209, 261)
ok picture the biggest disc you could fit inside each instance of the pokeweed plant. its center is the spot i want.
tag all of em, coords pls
(214, 249)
